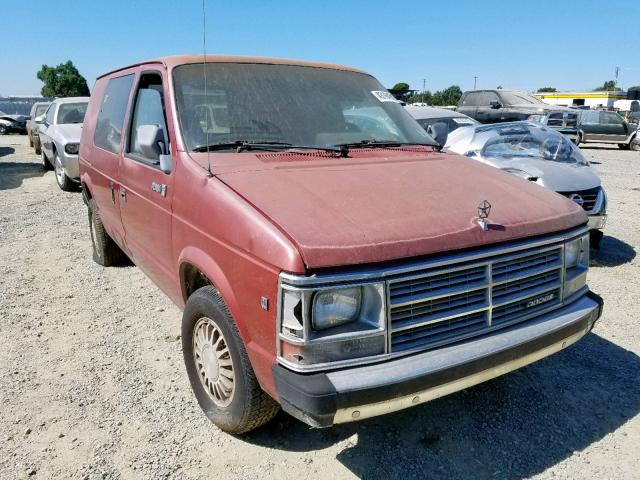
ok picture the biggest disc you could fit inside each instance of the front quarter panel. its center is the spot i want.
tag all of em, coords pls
(239, 251)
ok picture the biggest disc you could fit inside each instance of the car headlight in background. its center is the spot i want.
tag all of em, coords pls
(324, 325)
(72, 148)
(576, 264)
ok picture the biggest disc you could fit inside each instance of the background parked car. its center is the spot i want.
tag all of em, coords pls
(60, 138)
(12, 124)
(33, 129)
(540, 155)
(495, 106)
(607, 127)
(565, 122)
(450, 120)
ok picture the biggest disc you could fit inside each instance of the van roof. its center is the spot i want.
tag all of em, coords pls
(172, 61)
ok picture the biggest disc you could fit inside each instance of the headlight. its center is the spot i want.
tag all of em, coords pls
(323, 325)
(72, 148)
(336, 307)
(576, 264)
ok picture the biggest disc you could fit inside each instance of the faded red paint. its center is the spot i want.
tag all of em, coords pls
(261, 214)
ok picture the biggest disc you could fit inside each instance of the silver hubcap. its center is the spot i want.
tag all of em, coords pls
(213, 362)
(59, 171)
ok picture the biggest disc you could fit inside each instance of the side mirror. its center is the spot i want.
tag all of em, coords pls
(151, 142)
(39, 119)
(166, 163)
(439, 132)
(495, 104)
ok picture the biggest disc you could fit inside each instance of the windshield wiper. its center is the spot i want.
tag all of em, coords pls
(242, 145)
(384, 144)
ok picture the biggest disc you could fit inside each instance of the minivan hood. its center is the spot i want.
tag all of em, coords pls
(558, 176)
(389, 205)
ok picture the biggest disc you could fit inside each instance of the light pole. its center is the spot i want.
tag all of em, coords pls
(424, 89)
(474, 82)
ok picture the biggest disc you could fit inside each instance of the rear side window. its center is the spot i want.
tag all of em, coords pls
(471, 99)
(611, 118)
(111, 117)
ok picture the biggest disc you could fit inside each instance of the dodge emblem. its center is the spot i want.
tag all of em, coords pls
(484, 209)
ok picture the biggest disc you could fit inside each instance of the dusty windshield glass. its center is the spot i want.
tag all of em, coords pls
(297, 105)
(525, 142)
(519, 98)
(71, 112)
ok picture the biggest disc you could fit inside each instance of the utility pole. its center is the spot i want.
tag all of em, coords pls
(424, 89)
(617, 72)
(474, 82)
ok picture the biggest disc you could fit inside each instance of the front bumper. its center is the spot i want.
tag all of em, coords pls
(597, 221)
(70, 164)
(324, 399)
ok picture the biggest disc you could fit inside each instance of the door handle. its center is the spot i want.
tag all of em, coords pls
(123, 194)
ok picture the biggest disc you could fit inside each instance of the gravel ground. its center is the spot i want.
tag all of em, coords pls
(92, 383)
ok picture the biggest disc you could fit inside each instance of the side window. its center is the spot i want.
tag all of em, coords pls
(111, 117)
(471, 100)
(148, 136)
(589, 117)
(489, 97)
(611, 118)
(49, 117)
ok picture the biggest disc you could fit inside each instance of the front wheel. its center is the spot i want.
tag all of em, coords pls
(64, 182)
(218, 366)
(46, 165)
(3, 130)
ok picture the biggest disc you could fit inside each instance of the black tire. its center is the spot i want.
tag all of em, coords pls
(250, 407)
(64, 182)
(3, 129)
(30, 140)
(105, 251)
(624, 146)
(635, 145)
(37, 147)
(46, 164)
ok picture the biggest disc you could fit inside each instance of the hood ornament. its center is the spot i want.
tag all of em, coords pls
(484, 209)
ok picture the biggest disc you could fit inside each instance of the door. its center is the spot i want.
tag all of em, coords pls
(145, 192)
(46, 144)
(102, 161)
(590, 125)
(613, 127)
(493, 115)
(469, 104)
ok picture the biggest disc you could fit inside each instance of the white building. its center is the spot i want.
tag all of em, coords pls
(588, 99)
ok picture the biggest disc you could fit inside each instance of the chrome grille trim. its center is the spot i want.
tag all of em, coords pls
(504, 284)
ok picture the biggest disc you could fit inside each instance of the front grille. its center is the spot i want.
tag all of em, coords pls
(439, 306)
(589, 197)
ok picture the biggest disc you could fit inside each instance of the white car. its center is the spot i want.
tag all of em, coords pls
(59, 131)
(541, 155)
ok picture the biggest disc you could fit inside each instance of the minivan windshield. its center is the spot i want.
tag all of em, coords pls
(287, 105)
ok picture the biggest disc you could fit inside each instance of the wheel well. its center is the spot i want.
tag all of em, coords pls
(191, 279)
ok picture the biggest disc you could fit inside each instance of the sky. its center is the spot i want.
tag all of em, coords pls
(569, 45)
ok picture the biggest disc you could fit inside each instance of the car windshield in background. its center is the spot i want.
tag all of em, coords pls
(40, 109)
(287, 105)
(525, 142)
(71, 112)
(519, 98)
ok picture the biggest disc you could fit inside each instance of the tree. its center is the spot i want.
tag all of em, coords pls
(547, 89)
(608, 86)
(401, 91)
(449, 96)
(62, 81)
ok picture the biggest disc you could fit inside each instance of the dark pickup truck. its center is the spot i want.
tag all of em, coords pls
(496, 106)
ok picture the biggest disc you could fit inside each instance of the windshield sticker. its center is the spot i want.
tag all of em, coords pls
(384, 96)
(462, 121)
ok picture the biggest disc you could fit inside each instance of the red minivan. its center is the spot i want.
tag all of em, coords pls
(328, 257)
